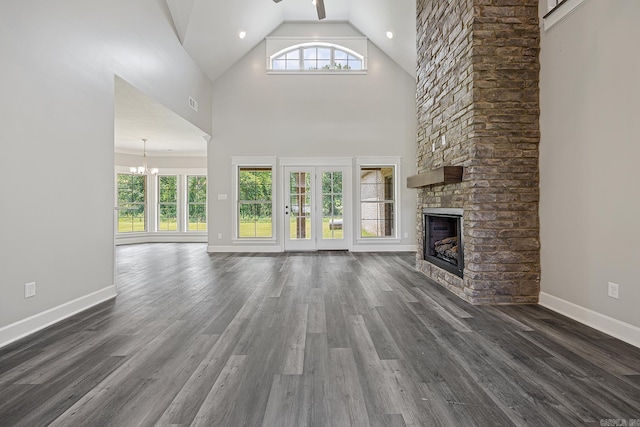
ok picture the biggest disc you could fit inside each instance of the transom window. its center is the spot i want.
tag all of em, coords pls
(317, 57)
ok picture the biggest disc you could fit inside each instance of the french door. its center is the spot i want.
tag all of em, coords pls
(315, 208)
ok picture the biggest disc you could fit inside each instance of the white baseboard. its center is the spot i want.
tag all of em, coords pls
(248, 249)
(22, 328)
(162, 238)
(383, 248)
(603, 323)
(355, 248)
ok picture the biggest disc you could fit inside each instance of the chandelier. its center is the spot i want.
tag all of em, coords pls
(144, 169)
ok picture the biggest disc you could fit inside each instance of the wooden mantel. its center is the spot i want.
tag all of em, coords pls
(443, 175)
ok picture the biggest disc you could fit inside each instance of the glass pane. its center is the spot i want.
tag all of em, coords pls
(197, 189)
(254, 185)
(131, 218)
(197, 217)
(278, 64)
(255, 220)
(293, 182)
(337, 183)
(300, 228)
(168, 188)
(376, 184)
(131, 203)
(293, 64)
(332, 228)
(327, 206)
(310, 64)
(355, 64)
(324, 53)
(293, 54)
(168, 217)
(327, 182)
(341, 64)
(263, 220)
(310, 53)
(339, 54)
(300, 205)
(337, 205)
(377, 219)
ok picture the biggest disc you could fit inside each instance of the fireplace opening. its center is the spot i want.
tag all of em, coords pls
(443, 243)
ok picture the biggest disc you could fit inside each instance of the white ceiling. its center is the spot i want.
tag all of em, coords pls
(209, 29)
(138, 116)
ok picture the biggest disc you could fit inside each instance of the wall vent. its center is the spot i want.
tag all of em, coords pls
(193, 104)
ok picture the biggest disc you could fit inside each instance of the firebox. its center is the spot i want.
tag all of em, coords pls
(443, 244)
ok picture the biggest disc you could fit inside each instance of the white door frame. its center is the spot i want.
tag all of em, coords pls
(317, 166)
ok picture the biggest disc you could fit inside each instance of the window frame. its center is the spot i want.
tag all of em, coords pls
(253, 162)
(160, 203)
(145, 204)
(187, 203)
(355, 46)
(332, 54)
(557, 10)
(377, 162)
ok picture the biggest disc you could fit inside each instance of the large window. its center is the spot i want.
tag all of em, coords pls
(377, 201)
(131, 203)
(197, 203)
(317, 57)
(168, 203)
(255, 202)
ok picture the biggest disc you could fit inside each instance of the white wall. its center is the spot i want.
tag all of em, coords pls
(162, 162)
(589, 155)
(256, 114)
(57, 138)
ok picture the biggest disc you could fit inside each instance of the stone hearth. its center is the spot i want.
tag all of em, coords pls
(478, 107)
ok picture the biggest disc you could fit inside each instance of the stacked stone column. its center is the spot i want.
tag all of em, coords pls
(477, 104)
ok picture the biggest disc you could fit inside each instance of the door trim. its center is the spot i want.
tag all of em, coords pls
(318, 165)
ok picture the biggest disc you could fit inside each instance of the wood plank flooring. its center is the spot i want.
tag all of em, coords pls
(309, 339)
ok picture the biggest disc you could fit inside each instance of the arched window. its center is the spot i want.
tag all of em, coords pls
(317, 57)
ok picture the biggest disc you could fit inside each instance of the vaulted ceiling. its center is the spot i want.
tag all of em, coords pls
(208, 29)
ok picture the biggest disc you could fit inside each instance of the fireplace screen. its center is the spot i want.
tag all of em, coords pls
(443, 245)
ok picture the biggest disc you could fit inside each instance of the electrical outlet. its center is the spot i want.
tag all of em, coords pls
(219, 235)
(406, 235)
(30, 289)
(613, 290)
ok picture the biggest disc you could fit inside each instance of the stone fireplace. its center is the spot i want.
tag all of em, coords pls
(477, 110)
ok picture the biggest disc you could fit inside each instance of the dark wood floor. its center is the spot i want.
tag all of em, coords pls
(331, 338)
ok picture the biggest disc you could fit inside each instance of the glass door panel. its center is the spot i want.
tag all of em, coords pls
(332, 216)
(333, 226)
(299, 209)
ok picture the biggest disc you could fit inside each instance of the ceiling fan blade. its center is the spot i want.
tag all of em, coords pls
(320, 9)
